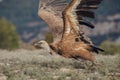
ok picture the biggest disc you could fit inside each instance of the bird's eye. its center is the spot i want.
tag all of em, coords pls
(44, 7)
(39, 42)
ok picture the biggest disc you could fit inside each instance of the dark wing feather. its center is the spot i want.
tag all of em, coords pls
(88, 7)
(85, 9)
(96, 49)
(83, 22)
(90, 2)
(85, 13)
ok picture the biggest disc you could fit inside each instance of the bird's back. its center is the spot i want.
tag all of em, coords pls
(71, 48)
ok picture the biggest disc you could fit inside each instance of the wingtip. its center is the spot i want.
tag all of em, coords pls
(83, 22)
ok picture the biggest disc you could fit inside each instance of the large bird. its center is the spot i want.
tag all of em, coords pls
(65, 20)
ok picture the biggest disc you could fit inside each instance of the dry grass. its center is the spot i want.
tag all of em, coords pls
(39, 65)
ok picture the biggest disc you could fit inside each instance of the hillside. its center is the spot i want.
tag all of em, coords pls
(23, 13)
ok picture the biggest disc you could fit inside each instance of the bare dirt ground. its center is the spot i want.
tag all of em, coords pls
(39, 65)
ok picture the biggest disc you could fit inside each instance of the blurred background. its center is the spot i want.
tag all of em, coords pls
(20, 24)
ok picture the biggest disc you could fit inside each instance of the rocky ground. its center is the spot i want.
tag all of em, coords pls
(39, 65)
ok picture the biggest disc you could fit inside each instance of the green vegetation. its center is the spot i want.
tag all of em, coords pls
(49, 37)
(110, 48)
(8, 37)
(39, 65)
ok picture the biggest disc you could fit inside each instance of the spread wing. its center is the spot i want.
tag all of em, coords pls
(77, 10)
(55, 6)
(74, 15)
(51, 12)
(86, 9)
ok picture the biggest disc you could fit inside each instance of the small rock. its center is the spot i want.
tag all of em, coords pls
(68, 78)
(3, 77)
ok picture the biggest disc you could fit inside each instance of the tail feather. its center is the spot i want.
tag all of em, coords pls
(96, 49)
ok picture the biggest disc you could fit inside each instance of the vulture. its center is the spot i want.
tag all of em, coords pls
(65, 20)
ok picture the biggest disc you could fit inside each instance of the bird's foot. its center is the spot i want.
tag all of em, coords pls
(95, 66)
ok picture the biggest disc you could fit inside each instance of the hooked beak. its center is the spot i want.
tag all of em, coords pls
(38, 46)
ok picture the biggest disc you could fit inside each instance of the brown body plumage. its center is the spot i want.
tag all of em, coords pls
(70, 48)
(64, 21)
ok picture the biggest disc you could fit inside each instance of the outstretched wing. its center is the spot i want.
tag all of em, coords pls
(74, 15)
(55, 6)
(85, 9)
(51, 12)
(76, 10)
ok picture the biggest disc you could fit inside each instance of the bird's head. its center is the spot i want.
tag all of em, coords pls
(42, 45)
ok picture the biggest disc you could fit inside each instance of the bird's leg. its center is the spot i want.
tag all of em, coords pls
(87, 65)
(91, 66)
(83, 63)
(95, 66)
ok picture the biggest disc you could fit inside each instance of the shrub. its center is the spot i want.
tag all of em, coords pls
(110, 47)
(49, 37)
(8, 37)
